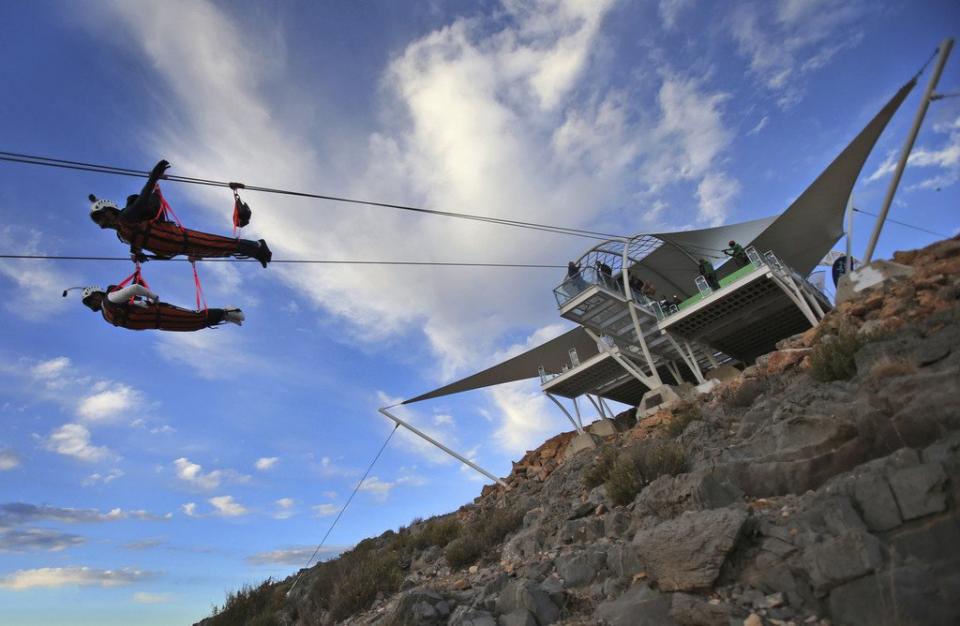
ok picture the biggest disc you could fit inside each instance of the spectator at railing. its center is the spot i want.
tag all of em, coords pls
(709, 274)
(573, 275)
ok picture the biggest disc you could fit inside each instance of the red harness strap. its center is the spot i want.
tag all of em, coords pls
(136, 278)
(199, 287)
(165, 210)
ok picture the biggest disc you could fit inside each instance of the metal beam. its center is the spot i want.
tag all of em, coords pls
(430, 439)
(576, 426)
(945, 46)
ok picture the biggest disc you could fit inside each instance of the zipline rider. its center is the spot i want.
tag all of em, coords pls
(145, 224)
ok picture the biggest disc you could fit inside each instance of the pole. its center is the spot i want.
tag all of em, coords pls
(945, 48)
(849, 260)
(462, 459)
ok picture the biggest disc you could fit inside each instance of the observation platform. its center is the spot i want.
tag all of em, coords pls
(755, 307)
(602, 375)
(598, 302)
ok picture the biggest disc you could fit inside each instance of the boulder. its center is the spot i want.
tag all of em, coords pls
(527, 595)
(687, 553)
(580, 568)
(669, 496)
(840, 559)
(687, 610)
(639, 606)
(919, 490)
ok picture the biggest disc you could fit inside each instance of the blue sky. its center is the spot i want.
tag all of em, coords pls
(144, 474)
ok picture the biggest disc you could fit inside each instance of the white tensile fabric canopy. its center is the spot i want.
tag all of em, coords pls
(800, 237)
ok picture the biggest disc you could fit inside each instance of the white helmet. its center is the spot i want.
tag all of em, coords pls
(89, 291)
(100, 205)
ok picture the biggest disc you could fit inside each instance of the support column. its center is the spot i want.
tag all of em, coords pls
(696, 364)
(598, 407)
(576, 426)
(639, 375)
(633, 315)
(799, 301)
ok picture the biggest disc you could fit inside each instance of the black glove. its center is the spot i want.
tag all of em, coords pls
(140, 257)
(159, 169)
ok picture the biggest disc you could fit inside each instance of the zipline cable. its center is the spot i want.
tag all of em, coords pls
(53, 257)
(349, 500)
(893, 221)
(28, 159)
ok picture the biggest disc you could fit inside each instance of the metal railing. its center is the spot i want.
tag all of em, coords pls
(583, 280)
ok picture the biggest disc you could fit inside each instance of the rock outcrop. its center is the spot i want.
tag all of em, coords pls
(797, 500)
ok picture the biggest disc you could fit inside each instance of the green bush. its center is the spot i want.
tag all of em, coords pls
(361, 582)
(256, 606)
(682, 416)
(437, 532)
(623, 482)
(598, 472)
(833, 359)
(480, 536)
(463, 551)
(636, 467)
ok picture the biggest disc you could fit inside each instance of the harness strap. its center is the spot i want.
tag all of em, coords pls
(199, 288)
(165, 209)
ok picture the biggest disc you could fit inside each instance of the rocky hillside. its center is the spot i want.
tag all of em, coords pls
(818, 486)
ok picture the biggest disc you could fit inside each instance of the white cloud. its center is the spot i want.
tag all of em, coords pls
(715, 194)
(442, 419)
(525, 418)
(145, 597)
(786, 40)
(189, 509)
(325, 510)
(193, 474)
(52, 368)
(226, 506)
(379, 488)
(265, 463)
(284, 508)
(74, 440)
(31, 539)
(9, 459)
(206, 353)
(38, 283)
(946, 159)
(15, 513)
(760, 125)
(670, 11)
(108, 404)
(53, 577)
(98, 478)
(294, 556)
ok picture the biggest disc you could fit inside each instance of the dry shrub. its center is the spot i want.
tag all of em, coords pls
(635, 468)
(682, 416)
(481, 536)
(833, 359)
(438, 531)
(597, 473)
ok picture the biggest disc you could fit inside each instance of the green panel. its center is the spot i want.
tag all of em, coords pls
(740, 273)
(724, 282)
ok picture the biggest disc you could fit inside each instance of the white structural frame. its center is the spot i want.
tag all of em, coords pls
(945, 46)
(423, 435)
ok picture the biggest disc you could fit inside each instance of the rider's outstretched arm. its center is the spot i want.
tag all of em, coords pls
(140, 210)
(122, 295)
